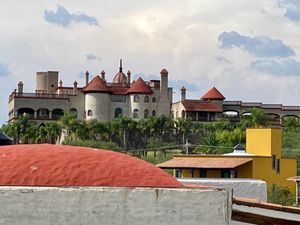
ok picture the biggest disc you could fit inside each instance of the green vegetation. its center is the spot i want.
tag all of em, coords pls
(157, 139)
(280, 195)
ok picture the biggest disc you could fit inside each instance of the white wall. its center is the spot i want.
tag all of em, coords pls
(115, 206)
(245, 188)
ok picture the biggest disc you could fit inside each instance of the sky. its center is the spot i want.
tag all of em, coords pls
(249, 50)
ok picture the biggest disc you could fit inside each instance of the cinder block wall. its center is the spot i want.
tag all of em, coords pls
(115, 206)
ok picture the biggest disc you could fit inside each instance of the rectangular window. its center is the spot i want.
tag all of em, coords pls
(225, 173)
(277, 165)
(273, 162)
(191, 172)
(118, 98)
(178, 173)
(202, 172)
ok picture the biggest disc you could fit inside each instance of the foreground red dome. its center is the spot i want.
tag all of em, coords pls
(61, 165)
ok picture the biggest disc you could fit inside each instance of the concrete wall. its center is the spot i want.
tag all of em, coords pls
(246, 188)
(116, 206)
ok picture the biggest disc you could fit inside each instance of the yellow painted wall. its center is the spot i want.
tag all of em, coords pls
(262, 169)
(245, 171)
(263, 141)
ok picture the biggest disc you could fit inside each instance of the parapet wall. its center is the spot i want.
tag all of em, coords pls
(115, 206)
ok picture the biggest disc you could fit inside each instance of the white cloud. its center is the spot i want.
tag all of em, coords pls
(181, 36)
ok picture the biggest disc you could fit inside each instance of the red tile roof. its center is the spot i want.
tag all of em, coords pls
(96, 85)
(213, 94)
(119, 90)
(139, 87)
(201, 106)
(60, 165)
(204, 162)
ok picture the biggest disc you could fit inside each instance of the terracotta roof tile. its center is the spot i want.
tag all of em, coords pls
(204, 162)
(61, 165)
(201, 106)
(96, 85)
(213, 94)
(139, 87)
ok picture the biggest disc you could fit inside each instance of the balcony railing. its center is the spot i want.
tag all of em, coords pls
(38, 95)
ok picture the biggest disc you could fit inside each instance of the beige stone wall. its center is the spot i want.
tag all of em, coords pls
(99, 103)
(177, 109)
(78, 102)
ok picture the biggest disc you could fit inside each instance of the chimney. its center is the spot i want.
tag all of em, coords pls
(75, 88)
(60, 83)
(86, 78)
(183, 93)
(128, 77)
(103, 75)
(20, 87)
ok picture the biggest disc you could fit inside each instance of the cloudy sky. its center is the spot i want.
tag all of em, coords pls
(249, 50)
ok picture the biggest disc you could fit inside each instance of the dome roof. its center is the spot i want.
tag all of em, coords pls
(96, 85)
(139, 87)
(120, 78)
(213, 94)
(61, 165)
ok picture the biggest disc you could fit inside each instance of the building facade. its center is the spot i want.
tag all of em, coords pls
(262, 160)
(212, 106)
(97, 99)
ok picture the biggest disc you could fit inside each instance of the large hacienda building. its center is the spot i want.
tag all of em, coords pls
(138, 99)
(98, 99)
(212, 106)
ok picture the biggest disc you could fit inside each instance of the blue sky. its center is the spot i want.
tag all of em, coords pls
(249, 50)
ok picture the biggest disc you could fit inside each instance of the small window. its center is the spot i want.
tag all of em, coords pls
(90, 113)
(225, 174)
(191, 172)
(136, 98)
(178, 173)
(273, 162)
(153, 113)
(153, 99)
(118, 112)
(73, 111)
(146, 98)
(136, 113)
(277, 165)
(202, 172)
(146, 113)
(183, 114)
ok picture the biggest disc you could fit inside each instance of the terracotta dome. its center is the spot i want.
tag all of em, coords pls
(61, 165)
(96, 85)
(139, 87)
(120, 78)
(213, 94)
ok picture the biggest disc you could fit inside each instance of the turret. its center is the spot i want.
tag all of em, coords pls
(20, 87)
(86, 78)
(183, 93)
(163, 81)
(128, 77)
(75, 88)
(103, 75)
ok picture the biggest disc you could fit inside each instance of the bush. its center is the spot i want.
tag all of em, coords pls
(280, 195)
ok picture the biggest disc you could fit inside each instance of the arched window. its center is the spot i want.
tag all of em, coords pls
(57, 113)
(90, 113)
(146, 113)
(118, 112)
(136, 98)
(136, 113)
(73, 111)
(146, 98)
(183, 114)
(153, 99)
(153, 113)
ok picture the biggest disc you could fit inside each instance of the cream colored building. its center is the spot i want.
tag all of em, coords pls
(97, 99)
